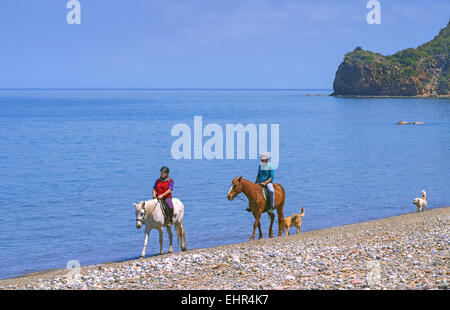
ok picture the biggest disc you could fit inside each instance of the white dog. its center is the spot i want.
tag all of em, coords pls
(421, 203)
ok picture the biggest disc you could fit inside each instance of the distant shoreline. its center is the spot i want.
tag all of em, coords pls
(422, 97)
(237, 89)
(226, 89)
(391, 239)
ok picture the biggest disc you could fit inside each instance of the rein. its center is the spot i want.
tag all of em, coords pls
(243, 192)
(156, 204)
(238, 196)
(151, 212)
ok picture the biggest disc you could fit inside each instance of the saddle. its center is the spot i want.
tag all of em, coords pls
(267, 199)
(165, 210)
(266, 196)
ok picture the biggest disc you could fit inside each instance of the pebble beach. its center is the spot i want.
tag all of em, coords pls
(409, 251)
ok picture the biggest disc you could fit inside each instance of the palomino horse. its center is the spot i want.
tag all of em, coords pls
(150, 213)
(255, 196)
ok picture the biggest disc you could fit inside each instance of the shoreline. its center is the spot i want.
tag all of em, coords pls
(387, 96)
(252, 263)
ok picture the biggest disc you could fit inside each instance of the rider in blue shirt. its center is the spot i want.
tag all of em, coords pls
(266, 174)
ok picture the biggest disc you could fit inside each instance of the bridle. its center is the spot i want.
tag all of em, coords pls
(142, 221)
(237, 195)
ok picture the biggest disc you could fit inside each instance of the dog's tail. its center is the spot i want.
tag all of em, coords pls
(424, 195)
(303, 212)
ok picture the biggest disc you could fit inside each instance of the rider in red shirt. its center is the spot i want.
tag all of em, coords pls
(162, 189)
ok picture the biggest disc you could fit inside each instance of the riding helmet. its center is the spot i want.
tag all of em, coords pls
(164, 169)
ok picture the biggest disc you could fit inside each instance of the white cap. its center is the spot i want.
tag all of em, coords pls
(264, 156)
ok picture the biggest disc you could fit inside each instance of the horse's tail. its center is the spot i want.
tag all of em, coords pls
(179, 232)
(303, 212)
(179, 227)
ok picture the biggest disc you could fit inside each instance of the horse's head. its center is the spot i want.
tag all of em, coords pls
(140, 214)
(236, 188)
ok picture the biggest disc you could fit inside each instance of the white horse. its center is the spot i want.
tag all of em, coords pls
(150, 213)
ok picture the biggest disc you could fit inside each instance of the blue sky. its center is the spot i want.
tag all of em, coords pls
(200, 43)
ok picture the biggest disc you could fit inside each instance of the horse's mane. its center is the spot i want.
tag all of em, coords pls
(249, 182)
(254, 188)
(147, 203)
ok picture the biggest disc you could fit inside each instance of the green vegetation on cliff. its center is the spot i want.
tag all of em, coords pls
(423, 71)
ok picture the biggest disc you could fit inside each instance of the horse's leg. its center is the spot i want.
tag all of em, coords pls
(280, 218)
(183, 237)
(272, 218)
(147, 233)
(259, 229)
(256, 215)
(279, 205)
(161, 240)
(169, 231)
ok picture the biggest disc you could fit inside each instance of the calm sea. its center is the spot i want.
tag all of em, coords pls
(72, 162)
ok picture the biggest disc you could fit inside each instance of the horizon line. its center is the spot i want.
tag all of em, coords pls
(82, 88)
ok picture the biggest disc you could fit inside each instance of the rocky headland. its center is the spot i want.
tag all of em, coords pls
(419, 72)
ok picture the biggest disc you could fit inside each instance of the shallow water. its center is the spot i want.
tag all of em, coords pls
(72, 162)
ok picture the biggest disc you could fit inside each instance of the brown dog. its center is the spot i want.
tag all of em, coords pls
(293, 220)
